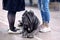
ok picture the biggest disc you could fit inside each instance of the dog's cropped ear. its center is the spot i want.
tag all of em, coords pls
(25, 12)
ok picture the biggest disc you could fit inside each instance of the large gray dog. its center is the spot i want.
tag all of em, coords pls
(30, 24)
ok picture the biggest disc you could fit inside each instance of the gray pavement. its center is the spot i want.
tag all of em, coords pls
(54, 24)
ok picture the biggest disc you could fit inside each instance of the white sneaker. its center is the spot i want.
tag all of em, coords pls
(9, 31)
(45, 29)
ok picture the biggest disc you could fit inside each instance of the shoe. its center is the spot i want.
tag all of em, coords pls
(14, 31)
(45, 29)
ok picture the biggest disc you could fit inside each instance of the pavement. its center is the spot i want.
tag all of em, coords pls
(54, 24)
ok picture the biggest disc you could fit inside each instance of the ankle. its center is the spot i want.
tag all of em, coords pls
(45, 24)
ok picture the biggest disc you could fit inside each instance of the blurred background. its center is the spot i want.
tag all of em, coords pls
(32, 5)
(54, 4)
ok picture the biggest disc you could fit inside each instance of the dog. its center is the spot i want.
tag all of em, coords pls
(30, 24)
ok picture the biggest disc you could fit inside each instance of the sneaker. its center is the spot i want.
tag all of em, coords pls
(15, 31)
(45, 29)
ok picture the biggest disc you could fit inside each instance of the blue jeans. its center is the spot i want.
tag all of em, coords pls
(44, 7)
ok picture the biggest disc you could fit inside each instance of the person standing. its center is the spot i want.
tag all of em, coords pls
(13, 6)
(45, 13)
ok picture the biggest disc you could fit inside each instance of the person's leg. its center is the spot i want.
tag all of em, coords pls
(11, 20)
(44, 6)
(46, 12)
(40, 5)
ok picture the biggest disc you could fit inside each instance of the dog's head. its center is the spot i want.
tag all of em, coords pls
(27, 17)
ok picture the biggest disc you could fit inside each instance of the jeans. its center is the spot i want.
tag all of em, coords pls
(44, 7)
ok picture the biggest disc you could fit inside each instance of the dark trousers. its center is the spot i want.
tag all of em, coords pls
(11, 19)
